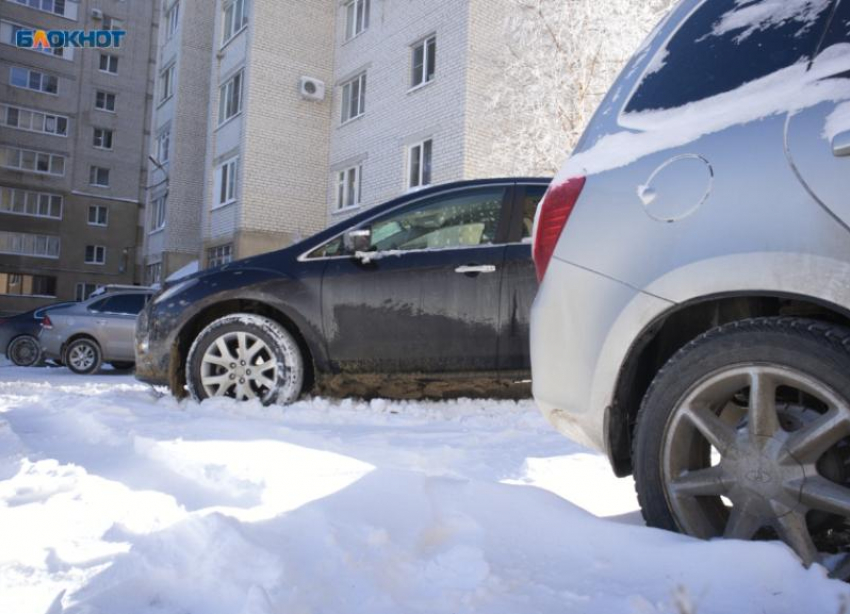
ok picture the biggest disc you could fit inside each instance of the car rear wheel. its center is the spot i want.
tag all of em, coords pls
(745, 433)
(245, 357)
(83, 356)
(24, 351)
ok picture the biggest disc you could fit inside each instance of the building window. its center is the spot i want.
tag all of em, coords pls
(354, 98)
(348, 188)
(419, 165)
(57, 7)
(16, 284)
(33, 204)
(225, 180)
(9, 34)
(230, 98)
(109, 63)
(102, 138)
(163, 146)
(95, 254)
(99, 176)
(153, 273)
(33, 121)
(172, 20)
(98, 215)
(166, 83)
(216, 256)
(111, 23)
(424, 62)
(26, 244)
(30, 161)
(84, 291)
(104, 101)
(356, 17)
(158, 211)
(235, 18)
(33, 80)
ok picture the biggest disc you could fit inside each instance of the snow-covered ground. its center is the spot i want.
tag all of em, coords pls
(114, 500)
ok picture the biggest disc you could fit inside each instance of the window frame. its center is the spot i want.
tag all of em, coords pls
(342, 186)
(42, 77)
(111, 59)
(217, 257)
(421, 146)
(98, 209)
(96, 249)
(428, 72)
(226, 93)
(5, 112)
(356, 21)
(94, 175)
(227, 36)
(226, 179)
(106, 98)
(106, 135)
(347, 98)
(34, 239)
(166, 83)
(30, 208)
(158, 214)
(164, 136)
(172, 20)
(36, 155)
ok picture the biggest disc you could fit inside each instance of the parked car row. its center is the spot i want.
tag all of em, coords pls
(81, 335)
(693, 317)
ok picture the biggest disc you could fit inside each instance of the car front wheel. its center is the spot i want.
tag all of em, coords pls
(24, 351)
(83, 356)
(745, 433)
(245, 357)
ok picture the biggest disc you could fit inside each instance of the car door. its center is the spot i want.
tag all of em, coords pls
(116, 325)
(519, 283)
(818, 137)
(423, 296)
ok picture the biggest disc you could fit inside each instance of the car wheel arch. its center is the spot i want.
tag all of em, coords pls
(193, 327)
(674, 329)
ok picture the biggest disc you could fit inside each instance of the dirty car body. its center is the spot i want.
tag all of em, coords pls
(435, 304)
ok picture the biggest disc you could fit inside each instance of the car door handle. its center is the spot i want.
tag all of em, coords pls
(841, 144)
(472, 268)
(101, 322)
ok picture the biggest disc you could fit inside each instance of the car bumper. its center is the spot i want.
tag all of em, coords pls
(152, 355)
(582, 327)
(51, 343)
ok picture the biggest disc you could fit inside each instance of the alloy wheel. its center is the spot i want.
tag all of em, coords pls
(82, 357)
(761, 452)
(239, 365)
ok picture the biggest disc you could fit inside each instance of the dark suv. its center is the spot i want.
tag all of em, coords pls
(426, 295)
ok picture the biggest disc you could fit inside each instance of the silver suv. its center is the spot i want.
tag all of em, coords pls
(693, 320)
(98, 330)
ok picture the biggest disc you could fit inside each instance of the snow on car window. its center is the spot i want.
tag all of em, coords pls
(726, 44)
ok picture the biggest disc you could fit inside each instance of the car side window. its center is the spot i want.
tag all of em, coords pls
(126, 304)
(532, 198)
(460, 219)
(99, 306)
(725, 44)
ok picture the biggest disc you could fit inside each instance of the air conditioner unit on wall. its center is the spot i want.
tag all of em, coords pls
(96, 14)
(312, 89)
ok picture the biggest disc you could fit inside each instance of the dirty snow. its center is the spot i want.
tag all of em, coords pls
(116, 500)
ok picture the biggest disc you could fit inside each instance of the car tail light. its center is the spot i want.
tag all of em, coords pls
(555, 210)
(46, 323)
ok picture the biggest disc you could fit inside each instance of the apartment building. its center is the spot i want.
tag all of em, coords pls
(73, 144)
(314, 111)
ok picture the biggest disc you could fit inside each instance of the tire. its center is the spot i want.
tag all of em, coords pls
(24, 351)
(122, 366)
(83, 356)
(274, 374)
(745, 433)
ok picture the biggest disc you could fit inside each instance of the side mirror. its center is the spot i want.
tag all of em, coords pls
(359, 240)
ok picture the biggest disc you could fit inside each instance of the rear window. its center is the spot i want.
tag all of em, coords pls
(726, 44)
(127, 304)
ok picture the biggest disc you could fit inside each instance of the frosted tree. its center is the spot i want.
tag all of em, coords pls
(561, 57)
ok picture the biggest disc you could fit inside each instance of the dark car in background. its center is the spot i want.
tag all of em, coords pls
(427, 295)
(19, 335)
